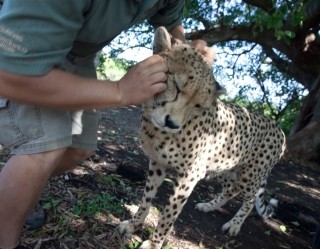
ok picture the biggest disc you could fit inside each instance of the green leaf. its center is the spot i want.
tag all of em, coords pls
(149, 230)
(290, 34)
(166, 247)
(134, 245)
(295, 223)
(267, 233)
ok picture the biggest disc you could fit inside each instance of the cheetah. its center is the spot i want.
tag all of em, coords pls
(189, 130)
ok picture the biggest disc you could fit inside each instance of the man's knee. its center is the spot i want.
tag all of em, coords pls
(71, 158)
(46, 159)
(78, 155)
(41, 164)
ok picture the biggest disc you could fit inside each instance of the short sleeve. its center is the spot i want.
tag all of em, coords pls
(169, 16)
(36, 35)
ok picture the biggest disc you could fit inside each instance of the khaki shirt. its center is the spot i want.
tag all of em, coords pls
(37, 35)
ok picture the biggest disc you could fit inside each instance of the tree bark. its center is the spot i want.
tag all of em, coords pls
(305, 144)
(304, 140)
(309, 112)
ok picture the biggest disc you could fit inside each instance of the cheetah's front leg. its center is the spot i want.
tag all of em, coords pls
(155, 178)
(184, 186)
(234, 225)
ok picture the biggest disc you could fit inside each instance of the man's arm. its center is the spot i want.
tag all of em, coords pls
(178, 33)
(59, 89)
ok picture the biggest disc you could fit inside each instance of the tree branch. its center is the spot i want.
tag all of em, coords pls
(289, 68)
(265, 5)
(293, 50)
(241, 33)
(308, 108)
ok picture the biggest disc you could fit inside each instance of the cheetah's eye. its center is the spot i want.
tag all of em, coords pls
(170, 95)
(156, 105)
(178, 91)
(180, 79)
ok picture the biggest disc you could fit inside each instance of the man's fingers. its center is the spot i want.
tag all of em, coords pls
(158, 87)
(200, 44)
(144, 80)
(154, 63)
(158, 78)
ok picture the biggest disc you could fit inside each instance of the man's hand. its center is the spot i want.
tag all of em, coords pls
(144, 80)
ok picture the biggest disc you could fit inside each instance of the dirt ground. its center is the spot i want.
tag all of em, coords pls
(118, 169)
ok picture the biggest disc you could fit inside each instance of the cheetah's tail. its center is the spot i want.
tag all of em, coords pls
(264, 208)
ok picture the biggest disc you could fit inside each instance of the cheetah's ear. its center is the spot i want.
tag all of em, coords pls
(162, 40)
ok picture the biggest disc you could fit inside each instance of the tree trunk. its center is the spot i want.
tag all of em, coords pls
(304, 140)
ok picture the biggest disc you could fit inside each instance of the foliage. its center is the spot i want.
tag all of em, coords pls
(112, 68)
(104, 202)
(252, 81)
(115, 183)
(285, 118)
(288, 117)
(98, 204)
(283, 13)
(133, 245)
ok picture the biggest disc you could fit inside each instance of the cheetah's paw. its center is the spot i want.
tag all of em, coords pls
(205, 207)
(147, 244)
(126, 228)
(231, 228)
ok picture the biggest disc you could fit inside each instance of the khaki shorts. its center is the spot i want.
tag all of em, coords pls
(27, 129)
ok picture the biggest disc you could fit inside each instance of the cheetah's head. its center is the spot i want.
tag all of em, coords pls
(190, 84)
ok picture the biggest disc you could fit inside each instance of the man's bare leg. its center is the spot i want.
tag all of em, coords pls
(70, 160)
(22, 180)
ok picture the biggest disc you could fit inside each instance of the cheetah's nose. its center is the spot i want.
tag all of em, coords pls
(169, 123)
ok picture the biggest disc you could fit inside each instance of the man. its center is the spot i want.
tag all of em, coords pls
(48, 88)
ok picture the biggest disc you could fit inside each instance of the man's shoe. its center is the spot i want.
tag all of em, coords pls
(36, 219)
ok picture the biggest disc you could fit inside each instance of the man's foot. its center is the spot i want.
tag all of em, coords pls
(36, 219)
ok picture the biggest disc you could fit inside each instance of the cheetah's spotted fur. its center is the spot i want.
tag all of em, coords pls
(187, 129)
